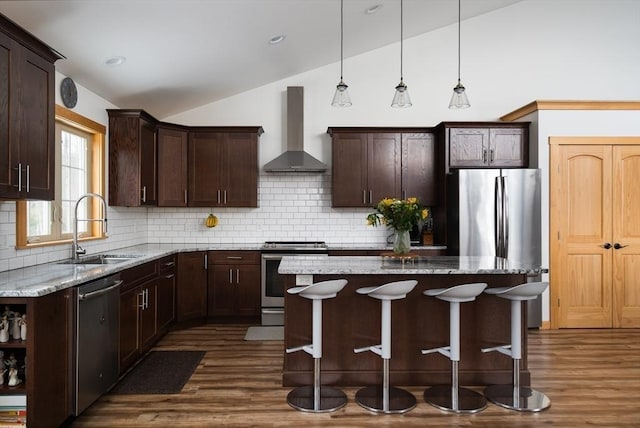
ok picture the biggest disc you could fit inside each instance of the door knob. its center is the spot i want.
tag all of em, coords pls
(606, 246)
(618, 246)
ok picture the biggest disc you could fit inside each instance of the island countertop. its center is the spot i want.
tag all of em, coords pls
(382, 265)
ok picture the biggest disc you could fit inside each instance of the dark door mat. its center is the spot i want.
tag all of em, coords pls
(161, 372)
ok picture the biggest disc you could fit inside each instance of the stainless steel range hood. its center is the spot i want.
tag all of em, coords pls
(295, 159)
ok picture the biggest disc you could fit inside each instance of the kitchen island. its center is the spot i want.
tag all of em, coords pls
(352, 320)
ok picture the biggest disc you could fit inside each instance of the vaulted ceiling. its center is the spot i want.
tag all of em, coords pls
(181, 54)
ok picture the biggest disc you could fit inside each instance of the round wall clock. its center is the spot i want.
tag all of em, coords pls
(68, 92)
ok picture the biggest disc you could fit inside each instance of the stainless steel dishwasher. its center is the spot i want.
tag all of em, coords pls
(97, 339)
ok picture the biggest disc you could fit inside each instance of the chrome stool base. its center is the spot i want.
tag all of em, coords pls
(372, 398)
(444, 398)
(303, 398)
(523, 399)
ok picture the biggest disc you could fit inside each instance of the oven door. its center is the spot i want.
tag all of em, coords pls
(272, 300)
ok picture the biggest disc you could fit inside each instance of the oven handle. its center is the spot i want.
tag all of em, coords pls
(273, 311)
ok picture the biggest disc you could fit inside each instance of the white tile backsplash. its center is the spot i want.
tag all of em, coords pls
(291, 207)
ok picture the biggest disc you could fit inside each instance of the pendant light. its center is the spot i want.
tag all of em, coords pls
(459, 98)
(401, 98)
(341, 97)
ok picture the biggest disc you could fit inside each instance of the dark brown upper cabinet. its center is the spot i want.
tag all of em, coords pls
(27, 114)
(369, 164)
(172, 166)
(485, 144)
(169, 165)
(223, 167)
(132, 158)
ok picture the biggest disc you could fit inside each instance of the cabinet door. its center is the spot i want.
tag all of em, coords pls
(172, 168)
(191, 286)
(148, 163)
(349, 170)
(204, 159)
(166, 300)
(240, 170)
(124, 162)
(130, 302)
(419, 168)
(468, 147)
(248, 290)
(8, 103)
(384, 167)
(508, 148)
(36, 125)
(148, 315)
(222, 290)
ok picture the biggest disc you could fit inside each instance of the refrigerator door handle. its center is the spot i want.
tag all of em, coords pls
(505, 218)
(498, 217)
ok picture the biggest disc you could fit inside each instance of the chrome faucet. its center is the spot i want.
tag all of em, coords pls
(77, 250)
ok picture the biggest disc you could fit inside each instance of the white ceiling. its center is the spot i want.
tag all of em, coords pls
(182, 54)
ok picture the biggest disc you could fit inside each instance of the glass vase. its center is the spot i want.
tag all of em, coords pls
(401, 242)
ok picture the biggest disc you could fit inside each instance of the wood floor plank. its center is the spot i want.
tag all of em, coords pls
(591, 376)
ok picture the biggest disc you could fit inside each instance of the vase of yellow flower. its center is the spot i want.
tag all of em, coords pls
(401, 215)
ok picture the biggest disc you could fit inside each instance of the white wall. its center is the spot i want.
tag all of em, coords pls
(534, 49)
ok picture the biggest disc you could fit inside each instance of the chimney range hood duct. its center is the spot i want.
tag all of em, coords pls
(295, 159)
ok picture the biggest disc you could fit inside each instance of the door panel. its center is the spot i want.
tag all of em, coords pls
(384, 166)
(626, 232)
(584, 207)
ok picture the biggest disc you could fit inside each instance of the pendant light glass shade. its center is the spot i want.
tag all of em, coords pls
(401, 98)
(459, 98)
(341, 98)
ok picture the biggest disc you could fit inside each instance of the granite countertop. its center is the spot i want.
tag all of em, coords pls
(376, 265)
(39, 280)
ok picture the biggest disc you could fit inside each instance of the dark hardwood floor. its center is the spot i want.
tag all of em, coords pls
(591, 376)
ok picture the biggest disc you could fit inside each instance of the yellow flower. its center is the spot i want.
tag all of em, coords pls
(398, 214)
(412, 200)
(425, 213)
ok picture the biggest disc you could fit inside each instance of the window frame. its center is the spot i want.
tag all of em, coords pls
(98, 161)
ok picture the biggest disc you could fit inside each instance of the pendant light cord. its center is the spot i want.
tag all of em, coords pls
(341, 35)
(401, 37)
(459, 41)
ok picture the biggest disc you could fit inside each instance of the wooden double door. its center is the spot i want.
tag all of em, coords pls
(595, 232)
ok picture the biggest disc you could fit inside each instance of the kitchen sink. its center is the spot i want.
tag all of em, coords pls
(101, 259)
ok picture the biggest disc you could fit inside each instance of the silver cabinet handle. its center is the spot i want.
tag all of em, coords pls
(225, 197)
(19, 168)
(169, 264)
(141, 300)
(28, 171)
(370, 197)
(364, 197)
(185, 196)
(491, 155)
(206, 256)
(230, 276)
(237, 276)
(170, 276)
(484, 156)
(218, 196)
(234, 257)
(144, 193)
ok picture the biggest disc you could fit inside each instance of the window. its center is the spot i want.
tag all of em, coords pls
(79, 160)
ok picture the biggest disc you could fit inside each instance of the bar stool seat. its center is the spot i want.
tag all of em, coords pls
(384, 398)
(514, 396)
(316, 398)
(453, 398)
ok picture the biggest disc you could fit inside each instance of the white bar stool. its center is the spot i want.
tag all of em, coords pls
(316, 398)
(453, 398)
(514, 396)
(385, 399)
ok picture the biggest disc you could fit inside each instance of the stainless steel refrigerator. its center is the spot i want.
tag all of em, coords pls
(496, 212)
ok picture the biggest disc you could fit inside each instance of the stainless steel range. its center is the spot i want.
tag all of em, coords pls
(272, 281)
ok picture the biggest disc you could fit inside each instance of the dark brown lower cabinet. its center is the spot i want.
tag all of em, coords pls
(191, 288)
(46, 372)
(234, 284)
(166, 294)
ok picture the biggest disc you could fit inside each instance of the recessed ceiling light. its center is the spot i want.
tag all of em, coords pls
(115, 61)
(373, 9)
(276, 39)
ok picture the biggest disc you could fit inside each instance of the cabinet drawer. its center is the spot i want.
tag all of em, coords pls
(138, 274)
(166, 264)
(234, 257)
